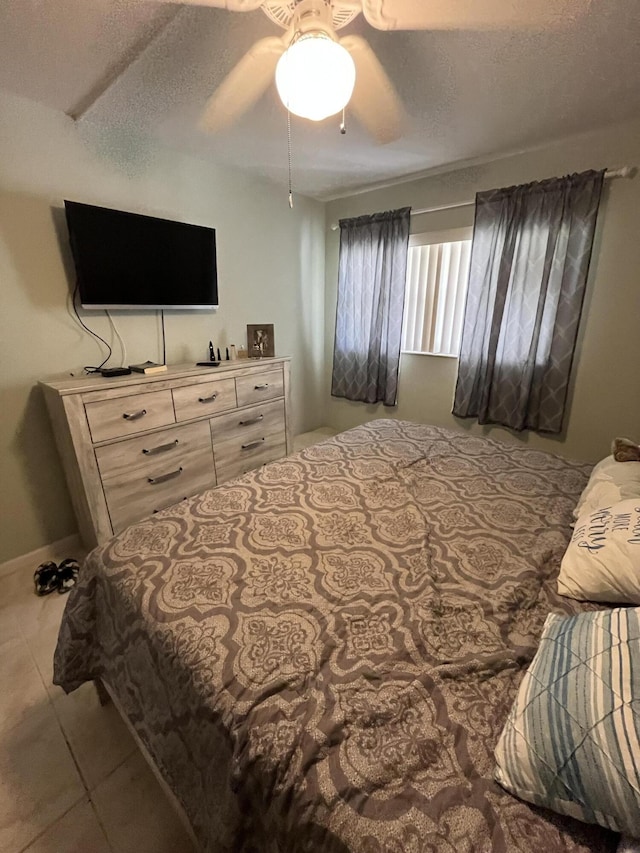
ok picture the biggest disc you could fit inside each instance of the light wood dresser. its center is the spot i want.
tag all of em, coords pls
(132, 445)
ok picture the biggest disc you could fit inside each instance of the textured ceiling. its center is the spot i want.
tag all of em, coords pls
(466, 94)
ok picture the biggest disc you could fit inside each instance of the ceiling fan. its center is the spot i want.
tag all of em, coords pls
(317, 73)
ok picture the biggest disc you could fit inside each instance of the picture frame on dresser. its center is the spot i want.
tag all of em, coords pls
(133, 445)
(260, 340)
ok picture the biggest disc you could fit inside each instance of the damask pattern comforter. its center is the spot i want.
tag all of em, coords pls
(320, 655)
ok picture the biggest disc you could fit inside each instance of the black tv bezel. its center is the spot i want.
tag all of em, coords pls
(131, 306)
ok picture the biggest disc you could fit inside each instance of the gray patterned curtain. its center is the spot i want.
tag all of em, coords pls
(371, 280)
(529, 265)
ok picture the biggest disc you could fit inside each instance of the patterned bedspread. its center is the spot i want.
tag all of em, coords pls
(320, 656)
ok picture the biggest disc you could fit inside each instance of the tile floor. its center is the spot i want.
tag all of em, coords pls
(306, 439)
(71, 777)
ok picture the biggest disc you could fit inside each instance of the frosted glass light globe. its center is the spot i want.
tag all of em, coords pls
(315, 77)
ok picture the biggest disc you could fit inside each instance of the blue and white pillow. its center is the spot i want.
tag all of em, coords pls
(572, 739)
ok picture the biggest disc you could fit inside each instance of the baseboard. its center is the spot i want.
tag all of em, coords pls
(70, 546)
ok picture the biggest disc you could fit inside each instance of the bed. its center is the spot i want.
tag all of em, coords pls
(320, 655)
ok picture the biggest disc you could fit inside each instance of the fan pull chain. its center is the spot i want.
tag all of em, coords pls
(343, 126)
(289, 157)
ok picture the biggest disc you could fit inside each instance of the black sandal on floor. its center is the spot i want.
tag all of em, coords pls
(67, 574)
(45, 578)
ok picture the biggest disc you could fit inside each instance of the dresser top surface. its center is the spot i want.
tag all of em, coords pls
(66, 383)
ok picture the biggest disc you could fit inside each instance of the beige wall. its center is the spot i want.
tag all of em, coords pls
(270, 264)
(604, 400)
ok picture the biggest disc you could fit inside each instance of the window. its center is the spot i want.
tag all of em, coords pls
(436, 289)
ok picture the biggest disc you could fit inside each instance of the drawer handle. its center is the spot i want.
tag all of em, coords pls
(208, 399)
(252, 444)
(161, 448)
(164, 477)
(261, 387)
(133, 416)
(252, 421)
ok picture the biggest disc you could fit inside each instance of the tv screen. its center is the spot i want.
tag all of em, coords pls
(127, 260)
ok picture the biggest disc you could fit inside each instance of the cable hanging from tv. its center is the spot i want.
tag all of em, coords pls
(89, 368)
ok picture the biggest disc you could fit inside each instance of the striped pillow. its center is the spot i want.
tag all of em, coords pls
(572, 739)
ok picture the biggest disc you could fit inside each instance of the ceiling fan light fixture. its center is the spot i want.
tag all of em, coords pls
(315, 77)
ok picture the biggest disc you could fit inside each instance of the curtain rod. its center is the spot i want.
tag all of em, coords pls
(622, 172)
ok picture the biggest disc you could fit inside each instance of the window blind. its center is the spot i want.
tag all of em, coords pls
(435, 297)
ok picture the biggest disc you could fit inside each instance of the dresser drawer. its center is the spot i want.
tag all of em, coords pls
(148, 473)
(259, 386)
(249, 424)
(123, 416)
(205, 398)
(236, 457)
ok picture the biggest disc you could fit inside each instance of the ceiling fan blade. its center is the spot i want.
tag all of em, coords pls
(244, 84)
(231, 5)
(470, 14)
(375, 101)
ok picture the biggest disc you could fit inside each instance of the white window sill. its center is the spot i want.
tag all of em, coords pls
(433, 354)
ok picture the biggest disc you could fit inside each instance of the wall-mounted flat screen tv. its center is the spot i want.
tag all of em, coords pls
(128, 260)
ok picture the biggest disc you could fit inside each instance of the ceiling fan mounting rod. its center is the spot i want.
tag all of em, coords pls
(313, 16)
